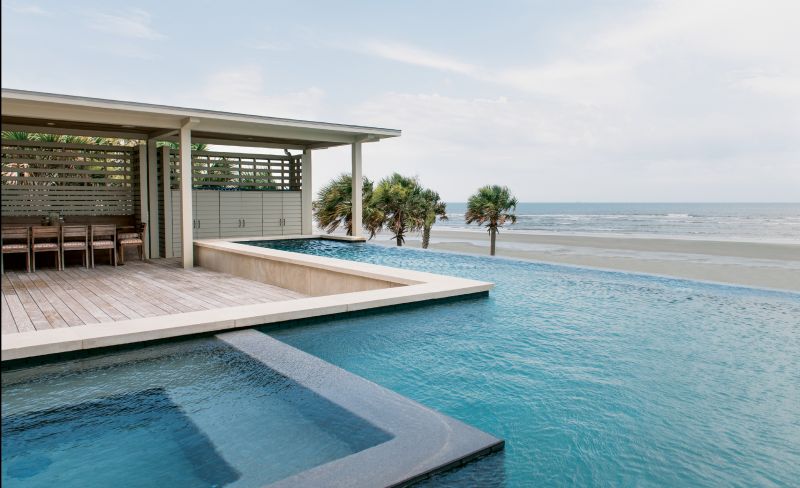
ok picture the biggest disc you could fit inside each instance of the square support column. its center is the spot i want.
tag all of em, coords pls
(306, 195)
(356, 199)
(153, 227)
(144, 205)
(166, 187)
(187, 222)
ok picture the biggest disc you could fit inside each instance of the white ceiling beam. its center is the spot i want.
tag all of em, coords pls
(162, 133)
(47, 129)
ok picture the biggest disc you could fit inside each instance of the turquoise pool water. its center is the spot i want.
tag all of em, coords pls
(194, 414)
(593, 378)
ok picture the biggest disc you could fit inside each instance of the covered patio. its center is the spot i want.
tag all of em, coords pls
(158, 179)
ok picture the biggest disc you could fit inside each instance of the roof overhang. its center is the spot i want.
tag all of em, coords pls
(67, 114)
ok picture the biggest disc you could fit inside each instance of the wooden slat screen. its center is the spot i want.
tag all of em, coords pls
(238, 171)
(75, 179)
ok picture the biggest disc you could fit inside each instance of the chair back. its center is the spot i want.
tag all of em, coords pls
(75, 231)
(104, 230)
(45, 232)
(15, 233)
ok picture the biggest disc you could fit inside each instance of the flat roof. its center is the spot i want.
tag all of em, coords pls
(51, 112)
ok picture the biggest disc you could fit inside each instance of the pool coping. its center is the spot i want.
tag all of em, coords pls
(416, 286)
(424, 441)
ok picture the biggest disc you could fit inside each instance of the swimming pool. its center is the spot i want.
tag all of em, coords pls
(193, 413)
(591, 377)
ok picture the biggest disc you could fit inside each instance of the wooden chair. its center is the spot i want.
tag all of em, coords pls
(46, 239)
(21, 242)
(104, 237)
(75, 238)
(131, 237)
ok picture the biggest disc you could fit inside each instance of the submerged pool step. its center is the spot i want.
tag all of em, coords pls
(423, 441)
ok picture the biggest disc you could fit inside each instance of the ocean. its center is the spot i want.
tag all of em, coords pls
(765, 222)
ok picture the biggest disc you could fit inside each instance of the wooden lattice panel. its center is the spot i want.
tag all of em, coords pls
(74, 179)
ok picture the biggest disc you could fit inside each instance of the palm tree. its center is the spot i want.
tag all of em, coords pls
(491, 206)
(333, 207)
(399, 205)
(433, 207)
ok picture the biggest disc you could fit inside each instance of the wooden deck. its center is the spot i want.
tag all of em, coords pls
(49, 299)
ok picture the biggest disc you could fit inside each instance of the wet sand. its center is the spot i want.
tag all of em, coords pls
(756, 264)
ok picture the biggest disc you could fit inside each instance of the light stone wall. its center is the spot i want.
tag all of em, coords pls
(302, 279)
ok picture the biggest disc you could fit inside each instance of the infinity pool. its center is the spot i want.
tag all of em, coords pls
(591, 377)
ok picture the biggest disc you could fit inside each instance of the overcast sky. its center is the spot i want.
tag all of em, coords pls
(562, 101)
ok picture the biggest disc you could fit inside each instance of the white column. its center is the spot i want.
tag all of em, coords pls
(306, 195)
(356, 198)
(144, 213)
(153, 227)
(187, 227)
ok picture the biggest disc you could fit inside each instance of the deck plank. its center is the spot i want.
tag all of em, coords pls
(85, 316)
(30, 306)
(77, 296)
(21, 317)
(101, 310)
(8, 325)
(56, 311)
(93, 284)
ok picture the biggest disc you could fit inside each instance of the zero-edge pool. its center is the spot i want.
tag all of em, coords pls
(591, 377)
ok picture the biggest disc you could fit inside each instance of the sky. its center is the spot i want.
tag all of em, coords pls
(568, 101)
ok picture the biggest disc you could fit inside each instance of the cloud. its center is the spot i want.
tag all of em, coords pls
(406, 53)
(546, 150)
(29, 9)
(617, 61)
(776, 85)
(134, 23)
(243, 89)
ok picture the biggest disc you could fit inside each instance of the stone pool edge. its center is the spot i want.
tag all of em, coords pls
(424, 441)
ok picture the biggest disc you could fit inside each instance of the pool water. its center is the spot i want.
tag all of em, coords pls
(191, 414)
(591, 377)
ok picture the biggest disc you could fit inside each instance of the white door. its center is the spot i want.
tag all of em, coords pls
(206, 214)
(292, 213)
(230, 214)
(252, 213)
(272, 216)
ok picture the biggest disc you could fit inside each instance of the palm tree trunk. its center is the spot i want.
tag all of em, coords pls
(493, 239)
(426, 236)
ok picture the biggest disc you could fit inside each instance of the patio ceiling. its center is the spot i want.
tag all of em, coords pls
(35, 111)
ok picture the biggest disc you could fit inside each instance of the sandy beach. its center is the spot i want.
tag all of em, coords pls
(756, 264)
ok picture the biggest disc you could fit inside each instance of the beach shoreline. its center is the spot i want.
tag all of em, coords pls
(768, 265)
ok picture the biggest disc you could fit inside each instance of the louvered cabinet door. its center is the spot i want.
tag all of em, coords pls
(206, 214)
(251, 213)
(292, 213)
(230, 214)
(272, 207)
